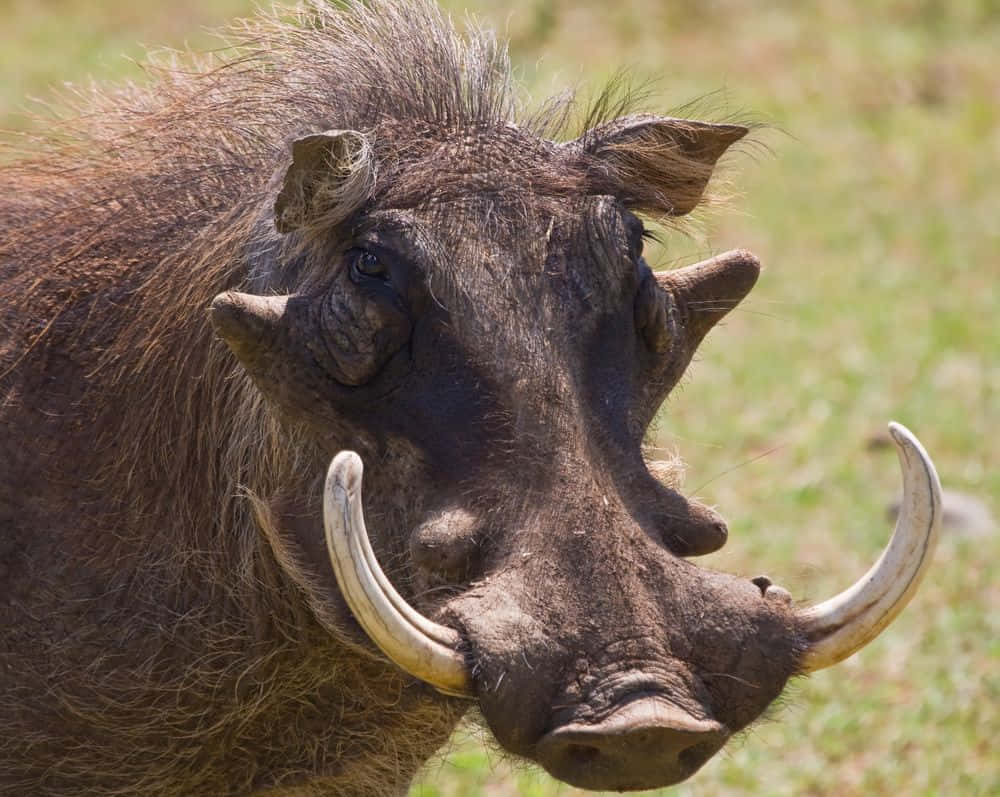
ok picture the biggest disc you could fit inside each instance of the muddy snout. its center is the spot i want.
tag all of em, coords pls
(646, 743)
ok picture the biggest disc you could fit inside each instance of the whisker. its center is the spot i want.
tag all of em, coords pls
(690, 440)
(732, 677)
(737, 466)
(738, 309)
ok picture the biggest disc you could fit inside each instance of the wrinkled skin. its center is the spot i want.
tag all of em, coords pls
(520, 380)
(459, 299)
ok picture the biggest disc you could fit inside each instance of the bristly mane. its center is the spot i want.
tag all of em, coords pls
(117, 227)
(147, 203)
(149, 200)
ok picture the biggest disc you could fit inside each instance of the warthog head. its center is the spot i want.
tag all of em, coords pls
(464, 303)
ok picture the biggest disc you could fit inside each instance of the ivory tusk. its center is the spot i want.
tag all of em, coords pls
(422, 648)
(847, 622)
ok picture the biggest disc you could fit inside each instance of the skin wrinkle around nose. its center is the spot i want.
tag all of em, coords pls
(605, 680)
(527, 609)
(543, 369)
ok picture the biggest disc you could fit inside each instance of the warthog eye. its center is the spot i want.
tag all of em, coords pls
(637, 235)
(367, 264)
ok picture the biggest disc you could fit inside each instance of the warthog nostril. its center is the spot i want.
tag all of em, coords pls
(582, 754)
(645, 744)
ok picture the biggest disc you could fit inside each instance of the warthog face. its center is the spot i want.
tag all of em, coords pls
(413, 284)
(471, 312)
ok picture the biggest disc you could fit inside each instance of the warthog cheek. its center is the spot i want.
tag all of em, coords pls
(358, 335)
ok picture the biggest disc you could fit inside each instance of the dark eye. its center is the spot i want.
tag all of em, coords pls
(368, 264)
(636, 236)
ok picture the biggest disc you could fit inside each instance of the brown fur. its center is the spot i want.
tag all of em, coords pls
(165, 635)
(138, 211)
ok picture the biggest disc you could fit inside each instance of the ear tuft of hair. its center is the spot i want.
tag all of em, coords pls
(658, 164)
(331, 176)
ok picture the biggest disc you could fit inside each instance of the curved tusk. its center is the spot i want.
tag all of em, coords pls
(842, 625)
(422, 648)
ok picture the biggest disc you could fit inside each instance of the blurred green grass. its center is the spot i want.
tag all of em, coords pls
(871, 195)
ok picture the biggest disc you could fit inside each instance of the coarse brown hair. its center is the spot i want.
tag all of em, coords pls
(118, 224)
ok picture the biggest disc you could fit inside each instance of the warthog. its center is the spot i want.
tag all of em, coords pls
(406, 271)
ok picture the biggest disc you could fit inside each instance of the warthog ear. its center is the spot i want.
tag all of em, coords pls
(658, 164)
(332, 175)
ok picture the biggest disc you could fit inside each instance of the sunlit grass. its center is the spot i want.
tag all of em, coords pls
(872, 199)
